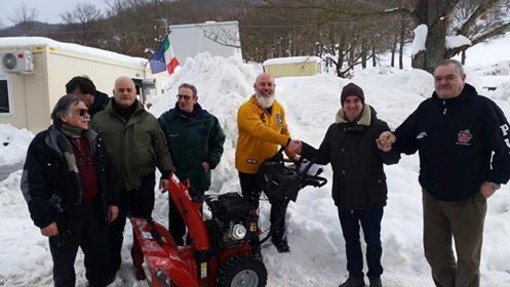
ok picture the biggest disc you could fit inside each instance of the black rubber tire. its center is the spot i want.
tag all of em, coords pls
(243, 271)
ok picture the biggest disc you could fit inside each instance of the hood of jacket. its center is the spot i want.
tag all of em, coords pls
(367, 115)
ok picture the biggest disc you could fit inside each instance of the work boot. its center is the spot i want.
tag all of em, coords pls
(353, 282)
(375, 282)
(281, 244)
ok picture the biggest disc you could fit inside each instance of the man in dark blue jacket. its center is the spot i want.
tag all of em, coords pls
(463, 140)
(195, 140)
(68, 184)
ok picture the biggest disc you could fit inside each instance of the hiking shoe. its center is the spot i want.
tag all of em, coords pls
(353, 282)
(281, 244)
(375, 282)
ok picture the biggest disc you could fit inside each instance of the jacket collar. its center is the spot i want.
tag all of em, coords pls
(365, 119)
(467, 94)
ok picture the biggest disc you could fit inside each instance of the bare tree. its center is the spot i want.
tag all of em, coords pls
(82, 20)
(480, 20)
(25, 17)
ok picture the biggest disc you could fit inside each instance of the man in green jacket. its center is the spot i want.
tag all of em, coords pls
(136, 144)
(195, 139)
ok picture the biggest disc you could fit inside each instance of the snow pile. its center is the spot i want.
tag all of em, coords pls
(13, 144)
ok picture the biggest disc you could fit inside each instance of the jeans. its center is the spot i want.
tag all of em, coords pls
(370, 221)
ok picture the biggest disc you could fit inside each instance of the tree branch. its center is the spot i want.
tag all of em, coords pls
(480, 10)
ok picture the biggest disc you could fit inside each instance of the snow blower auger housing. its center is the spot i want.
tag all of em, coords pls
(222, 251)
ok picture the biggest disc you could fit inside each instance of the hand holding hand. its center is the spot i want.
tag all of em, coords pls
(294, 147)
(385, 141)
(50, 230)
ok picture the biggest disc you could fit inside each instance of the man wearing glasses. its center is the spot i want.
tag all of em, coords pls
(67, 183)
(195, 139)
(137, 145)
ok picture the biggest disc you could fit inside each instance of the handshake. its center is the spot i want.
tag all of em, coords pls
(385, 141)
(293, 148)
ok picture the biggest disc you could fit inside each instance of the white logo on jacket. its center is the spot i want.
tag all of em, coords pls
(504, 129)
(279, 120)
(421, 135)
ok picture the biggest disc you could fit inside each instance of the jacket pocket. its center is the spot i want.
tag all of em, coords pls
(377, 191)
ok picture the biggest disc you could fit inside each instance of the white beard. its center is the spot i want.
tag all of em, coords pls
(263, 101)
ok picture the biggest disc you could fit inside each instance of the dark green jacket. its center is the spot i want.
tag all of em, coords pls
(193, 139)
(136, 146)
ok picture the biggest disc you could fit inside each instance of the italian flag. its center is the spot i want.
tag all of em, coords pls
(163, 59)
(171, 61)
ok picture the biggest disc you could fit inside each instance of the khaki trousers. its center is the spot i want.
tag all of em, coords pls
(464, 221)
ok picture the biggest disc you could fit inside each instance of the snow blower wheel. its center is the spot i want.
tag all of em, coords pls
(243, 271)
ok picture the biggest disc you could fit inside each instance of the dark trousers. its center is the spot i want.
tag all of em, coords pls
(370, 221)
(137, 202)
(462, 220)
(89, 231)
(251, 191)
(176, 225)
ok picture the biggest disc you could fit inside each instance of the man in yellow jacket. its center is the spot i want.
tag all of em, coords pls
(262, 128)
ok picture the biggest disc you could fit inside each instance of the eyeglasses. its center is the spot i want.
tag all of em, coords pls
(186, 98)
(82, 112)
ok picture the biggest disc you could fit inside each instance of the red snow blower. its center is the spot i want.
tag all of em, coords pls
(223, 249)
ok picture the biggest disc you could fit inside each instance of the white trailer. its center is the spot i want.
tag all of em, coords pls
(216, 38)
(34, 71)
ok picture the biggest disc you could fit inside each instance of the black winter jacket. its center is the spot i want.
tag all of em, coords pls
(100, 101)
(455, 139)
(48, 188)
(359, 180)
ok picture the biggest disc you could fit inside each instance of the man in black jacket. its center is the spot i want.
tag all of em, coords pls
(463, 140)
(359, 182)
(84, 88)
(67, 183)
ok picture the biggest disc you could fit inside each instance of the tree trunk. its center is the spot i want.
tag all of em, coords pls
(436, 14)
(374, 56)
(394, 51)
(363, 55)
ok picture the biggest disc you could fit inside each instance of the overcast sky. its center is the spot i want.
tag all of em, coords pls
(49, 10)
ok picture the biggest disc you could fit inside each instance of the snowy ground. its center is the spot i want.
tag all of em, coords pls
(317, 255)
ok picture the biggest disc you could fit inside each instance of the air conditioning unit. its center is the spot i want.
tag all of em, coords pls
(17, 61)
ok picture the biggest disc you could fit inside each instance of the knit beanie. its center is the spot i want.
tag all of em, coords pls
(352, 89)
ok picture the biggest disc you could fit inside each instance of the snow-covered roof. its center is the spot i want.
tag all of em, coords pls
(291, 60)
(20, 42)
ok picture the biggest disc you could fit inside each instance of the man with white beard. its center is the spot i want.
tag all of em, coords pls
(262, 129)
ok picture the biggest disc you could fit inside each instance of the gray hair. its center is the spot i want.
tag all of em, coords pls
(189, 86)
(458, 65)
(63, 106)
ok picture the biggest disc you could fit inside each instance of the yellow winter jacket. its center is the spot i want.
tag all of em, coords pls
(259, 134)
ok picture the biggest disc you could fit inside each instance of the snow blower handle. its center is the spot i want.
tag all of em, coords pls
(308, 171)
